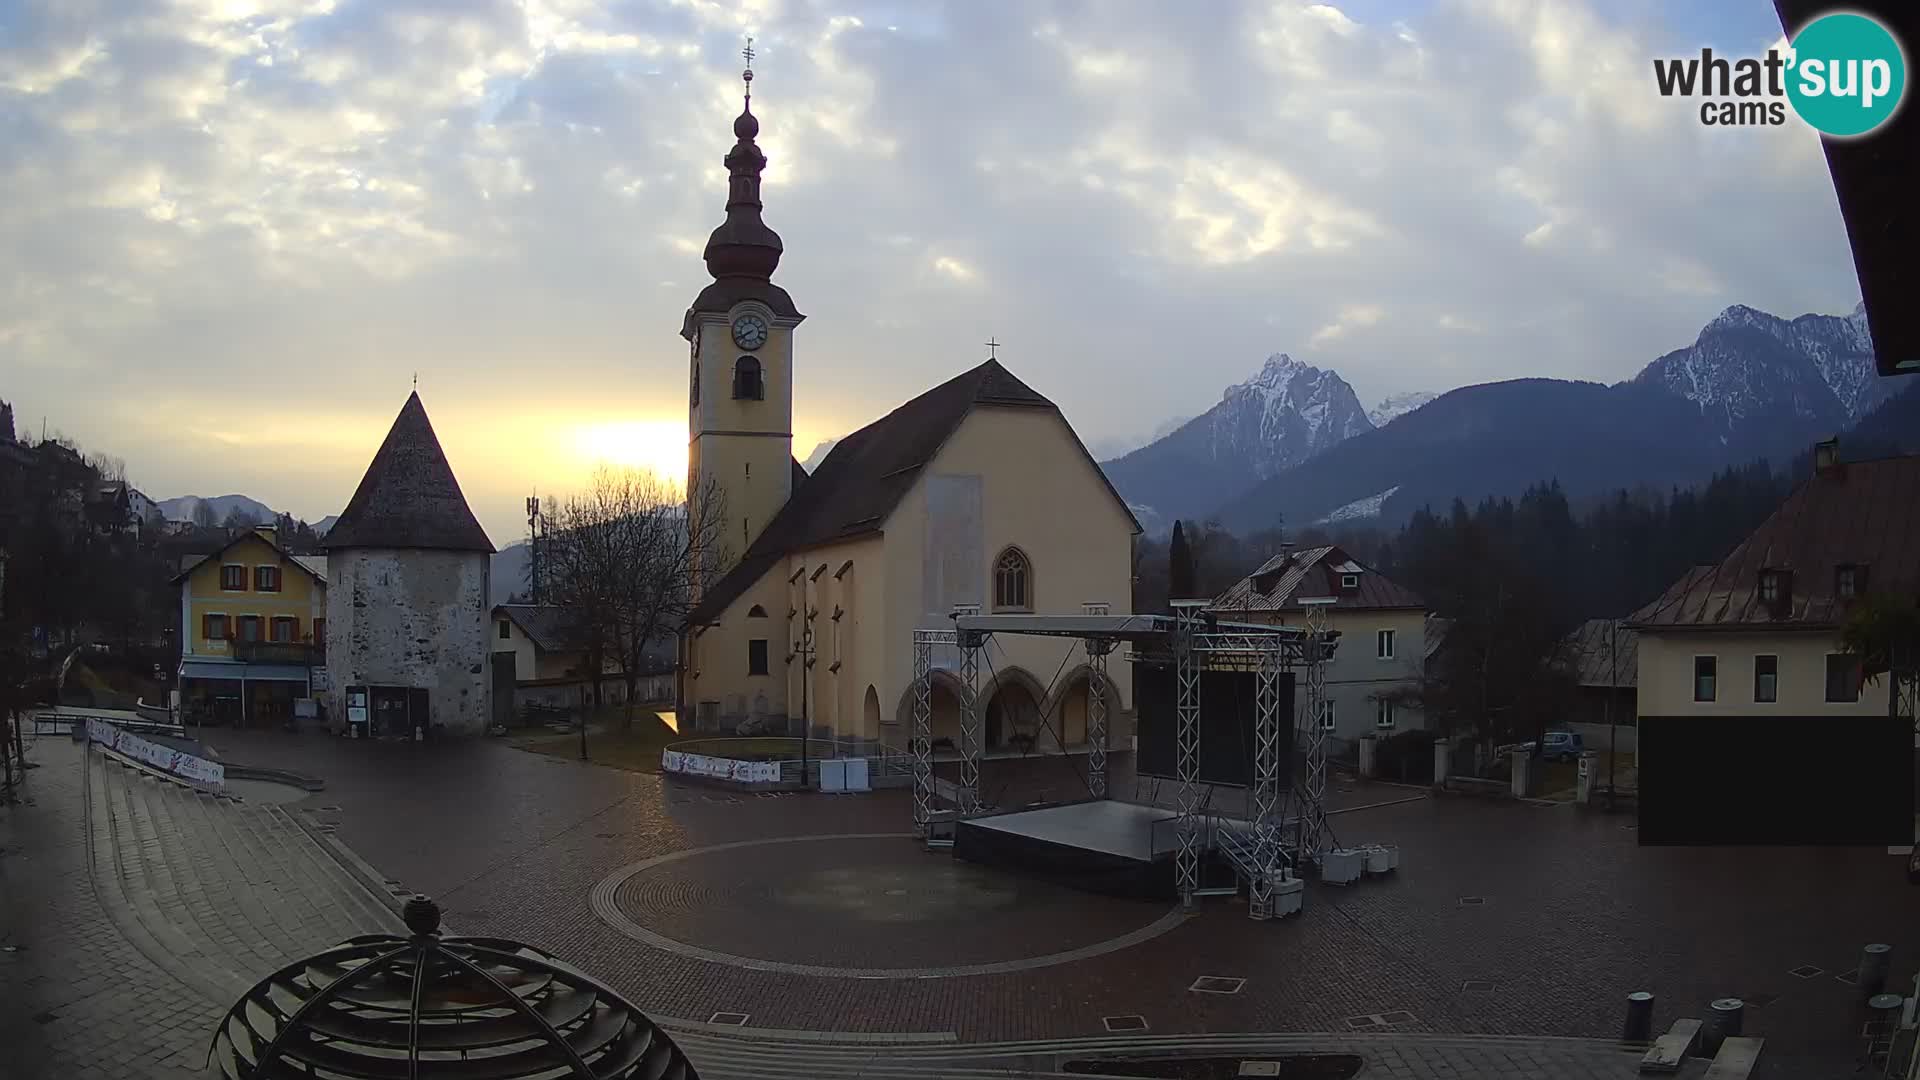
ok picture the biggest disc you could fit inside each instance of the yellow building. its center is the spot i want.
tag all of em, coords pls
(252, 629)
(977, 493)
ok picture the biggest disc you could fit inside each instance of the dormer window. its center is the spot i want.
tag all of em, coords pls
(1776, 590)
(1349, 581)
(747, 383)
(1849, 581)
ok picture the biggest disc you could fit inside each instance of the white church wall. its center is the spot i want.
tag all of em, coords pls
(413, 618)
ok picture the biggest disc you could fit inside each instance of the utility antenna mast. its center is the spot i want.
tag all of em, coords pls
(533, 546)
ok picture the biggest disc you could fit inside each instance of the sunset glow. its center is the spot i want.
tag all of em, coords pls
(658, 446)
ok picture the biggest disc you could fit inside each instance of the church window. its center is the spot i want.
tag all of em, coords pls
(757, 656)
(1012, 581)
(747, 384)
(756, 612)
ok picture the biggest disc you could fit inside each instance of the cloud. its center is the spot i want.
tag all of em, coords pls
(258, 218)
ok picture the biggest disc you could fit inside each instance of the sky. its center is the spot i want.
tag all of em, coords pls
(234, 232)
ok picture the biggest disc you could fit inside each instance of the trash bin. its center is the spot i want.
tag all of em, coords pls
(1722, 1021)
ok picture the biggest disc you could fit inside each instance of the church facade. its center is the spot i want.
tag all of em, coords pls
(977, 493)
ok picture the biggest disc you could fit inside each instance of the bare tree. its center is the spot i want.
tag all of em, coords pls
(630, 556)
(203, 516)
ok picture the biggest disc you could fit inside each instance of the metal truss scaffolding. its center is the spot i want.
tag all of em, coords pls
(1191, 641)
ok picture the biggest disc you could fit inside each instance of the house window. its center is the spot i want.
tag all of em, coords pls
(214, 627)
(1706, 671)
(1843, 678)
(757, 656)
(266, 579)
(1326, 715)
(756, 612)
(233, 578)
(249, 628)
(506, 630)
(285, 629)
(1349, 581)
(1095, 609)
(747, 383)
(1383, 644)
(320, 633)
(1383, 715)
(1848, 581)
(1766, 678)
(1012, 581)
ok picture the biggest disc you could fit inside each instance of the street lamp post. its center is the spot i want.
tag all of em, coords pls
(804, 649)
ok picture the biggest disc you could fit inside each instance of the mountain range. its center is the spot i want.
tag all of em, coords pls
(183, 508)
(1293, 445)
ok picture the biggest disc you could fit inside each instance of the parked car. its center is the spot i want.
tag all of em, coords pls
(1562, 746)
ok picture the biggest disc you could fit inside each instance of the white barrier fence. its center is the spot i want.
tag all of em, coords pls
(716, 768)
(208, 774)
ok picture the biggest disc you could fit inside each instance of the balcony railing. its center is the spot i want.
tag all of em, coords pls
(278, 652)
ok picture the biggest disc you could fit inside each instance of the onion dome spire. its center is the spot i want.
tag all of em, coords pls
(743, 246)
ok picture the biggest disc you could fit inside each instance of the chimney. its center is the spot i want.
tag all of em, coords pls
(268, 533)
(1826, 457)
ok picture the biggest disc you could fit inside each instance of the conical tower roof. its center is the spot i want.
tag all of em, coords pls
(409, 498)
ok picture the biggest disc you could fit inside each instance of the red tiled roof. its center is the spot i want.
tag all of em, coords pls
(1864, 513)
(1284, 580)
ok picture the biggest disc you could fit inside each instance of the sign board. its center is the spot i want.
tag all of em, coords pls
(317, 678)
(715, 768)
(165, 758)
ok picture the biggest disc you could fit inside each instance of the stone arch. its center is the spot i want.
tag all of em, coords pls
(870, 714)
(945, 699)
(1067, 706)
(1010, 708)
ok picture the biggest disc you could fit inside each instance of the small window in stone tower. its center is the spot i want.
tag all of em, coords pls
(757, 656)
(747, 384)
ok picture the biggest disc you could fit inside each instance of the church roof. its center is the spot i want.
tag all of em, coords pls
(409, 498)
(867, 473)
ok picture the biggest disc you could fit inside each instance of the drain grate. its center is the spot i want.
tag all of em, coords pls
(1361, 1023)
(1398, 1016)
(1474, 985)
(1129, 1022)
(730, 1019)
(329, 809)
(1473, 901)
(1807, 971)
(1217, 984)
(1759, 1001)
(1850, 976)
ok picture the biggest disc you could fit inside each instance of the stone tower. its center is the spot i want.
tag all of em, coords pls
(740, 329)
(407, 584)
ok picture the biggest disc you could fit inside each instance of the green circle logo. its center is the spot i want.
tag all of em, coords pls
(1847, 74)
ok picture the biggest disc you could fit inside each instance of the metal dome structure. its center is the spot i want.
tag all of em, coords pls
(384, 1007)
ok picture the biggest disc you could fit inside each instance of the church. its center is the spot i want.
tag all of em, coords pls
(976, 494)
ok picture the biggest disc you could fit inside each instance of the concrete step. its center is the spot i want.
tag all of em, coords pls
(1670, 1051)
(366, 911)
(1735, 1060)
(332, 920)
(263, 888)
(243, 887)
(218, 922)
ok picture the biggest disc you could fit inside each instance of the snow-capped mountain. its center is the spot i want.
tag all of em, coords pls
(1398, 405)
(1282, 416)
(819, 455)
(320, 527)
(1750, 367)
(1106, 449)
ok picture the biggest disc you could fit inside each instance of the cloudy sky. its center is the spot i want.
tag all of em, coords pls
(232, 231)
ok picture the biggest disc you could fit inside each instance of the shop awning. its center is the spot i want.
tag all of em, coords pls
(214, 669)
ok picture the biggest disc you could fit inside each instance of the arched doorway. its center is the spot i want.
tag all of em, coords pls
(870, 714)
(1012, 719)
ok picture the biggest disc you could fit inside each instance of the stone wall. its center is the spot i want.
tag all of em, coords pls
(413, 618)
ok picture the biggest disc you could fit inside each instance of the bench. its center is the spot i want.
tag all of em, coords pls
(1670, 1050)
(1735, 1060)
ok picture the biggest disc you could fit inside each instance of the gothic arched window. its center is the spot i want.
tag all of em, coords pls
(1012, 581)
(756, 612)
(747, 383)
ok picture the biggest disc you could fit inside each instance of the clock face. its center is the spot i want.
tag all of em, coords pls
(749, 331)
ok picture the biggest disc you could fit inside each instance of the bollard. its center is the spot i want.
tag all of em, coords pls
(1639, 1018)
(1722, 1020)
(1874, 961)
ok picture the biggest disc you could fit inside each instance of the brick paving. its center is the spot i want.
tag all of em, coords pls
(1576, 915)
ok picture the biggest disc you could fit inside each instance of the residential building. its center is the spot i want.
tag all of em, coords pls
(1758, 633)
(1383, 634)
(252, 629)
(976, 494)
(1603, 657)
(407, 642)
(542, 650)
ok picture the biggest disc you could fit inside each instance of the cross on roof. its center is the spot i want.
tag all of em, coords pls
(993, 349)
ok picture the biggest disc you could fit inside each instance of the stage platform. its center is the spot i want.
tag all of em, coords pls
(1102, 846)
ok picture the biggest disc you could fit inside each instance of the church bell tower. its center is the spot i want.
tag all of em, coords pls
(740, 333)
